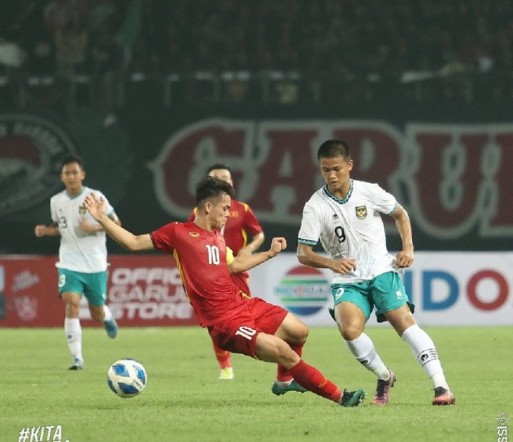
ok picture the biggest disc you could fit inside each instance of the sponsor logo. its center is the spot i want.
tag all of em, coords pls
(303, 290)
(339, 293)
(31, 149)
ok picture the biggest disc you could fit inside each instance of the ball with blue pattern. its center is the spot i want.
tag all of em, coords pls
(127, 378)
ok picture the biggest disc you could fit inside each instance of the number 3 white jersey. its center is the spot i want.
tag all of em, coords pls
(351, 228)
(79, 251)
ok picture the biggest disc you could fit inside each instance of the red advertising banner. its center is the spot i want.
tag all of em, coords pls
(144, 290)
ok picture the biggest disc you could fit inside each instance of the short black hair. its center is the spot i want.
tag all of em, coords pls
(68, 159)
(211, 188)
(217, 166)
(334, 148)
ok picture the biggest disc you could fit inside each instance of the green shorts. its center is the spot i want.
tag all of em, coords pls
(92, 285)
(386, 292)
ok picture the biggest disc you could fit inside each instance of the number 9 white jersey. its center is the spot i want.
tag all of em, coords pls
(351, 228)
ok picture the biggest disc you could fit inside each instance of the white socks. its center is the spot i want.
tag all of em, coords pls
(422, 347)
(73, 332)
(107, 312)
(425, 352)
(363, 350)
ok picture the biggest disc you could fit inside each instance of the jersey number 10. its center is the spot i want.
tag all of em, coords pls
(213, 254)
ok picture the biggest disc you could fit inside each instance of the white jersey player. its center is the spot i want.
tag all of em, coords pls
(79, 251)
(351, 228)
(345, 216)
(82, 266)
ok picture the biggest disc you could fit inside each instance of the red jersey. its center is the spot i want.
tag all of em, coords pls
(202, 259)
(241, 222)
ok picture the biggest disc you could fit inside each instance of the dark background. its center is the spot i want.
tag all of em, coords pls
(120, 77)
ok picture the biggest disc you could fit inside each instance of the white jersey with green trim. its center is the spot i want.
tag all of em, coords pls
(351, 228)
(79, 251)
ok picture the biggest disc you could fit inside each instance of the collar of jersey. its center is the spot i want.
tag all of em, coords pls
(336, 198)
(71, 197)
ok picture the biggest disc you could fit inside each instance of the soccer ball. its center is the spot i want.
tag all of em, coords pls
(127, 378)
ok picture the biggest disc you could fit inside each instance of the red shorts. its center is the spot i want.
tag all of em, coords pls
(238, 333)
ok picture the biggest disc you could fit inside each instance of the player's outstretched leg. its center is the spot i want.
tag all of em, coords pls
(313, 380)
(352, 398)
(282, 387)
(284, 381)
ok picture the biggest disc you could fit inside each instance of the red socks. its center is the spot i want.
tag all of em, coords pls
(313, 380)
(283, 374)
(222, 356)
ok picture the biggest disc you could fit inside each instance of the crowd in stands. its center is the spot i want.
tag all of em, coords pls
(343, 38)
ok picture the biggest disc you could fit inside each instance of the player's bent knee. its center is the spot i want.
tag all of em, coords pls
(296, 331)
(350, 332)
(302, 333)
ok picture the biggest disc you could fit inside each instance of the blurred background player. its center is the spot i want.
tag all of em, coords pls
(253, 327)
(240, 226)
(345, 215)
(82, 266)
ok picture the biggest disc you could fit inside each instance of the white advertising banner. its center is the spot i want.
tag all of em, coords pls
(447, 288)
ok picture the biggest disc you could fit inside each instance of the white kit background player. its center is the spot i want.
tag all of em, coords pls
(82, 265)
(345, 215)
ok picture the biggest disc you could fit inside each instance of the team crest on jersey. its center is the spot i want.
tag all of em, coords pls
(361, 212)
(82, 210)
(194, 234)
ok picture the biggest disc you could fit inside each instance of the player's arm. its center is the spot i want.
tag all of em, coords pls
(96, 207)
(44, 230)
(95, 228)
(246, 262)
(308, 257)
(253, 246)
(404, 258)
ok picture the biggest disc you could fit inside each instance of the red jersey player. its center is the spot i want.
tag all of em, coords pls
(241, 223)
(252, 327)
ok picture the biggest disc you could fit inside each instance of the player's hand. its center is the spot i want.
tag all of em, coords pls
(344, 265)
(95, 206)
(40, 230)
(403, 259)
(277, 245)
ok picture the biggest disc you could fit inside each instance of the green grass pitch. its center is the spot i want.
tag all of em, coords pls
(184, 401)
